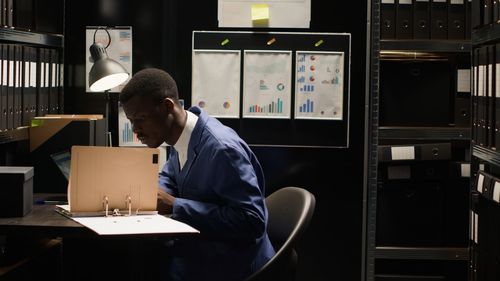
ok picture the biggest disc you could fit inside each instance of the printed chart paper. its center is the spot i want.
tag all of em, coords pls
(267, 84)
(216, 82)
(319, 85)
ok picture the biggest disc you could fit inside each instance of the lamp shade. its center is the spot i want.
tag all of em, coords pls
(105, 73)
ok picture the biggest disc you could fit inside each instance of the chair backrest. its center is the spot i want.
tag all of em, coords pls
(290, 211)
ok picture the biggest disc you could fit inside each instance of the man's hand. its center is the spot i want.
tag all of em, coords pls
(165, 202)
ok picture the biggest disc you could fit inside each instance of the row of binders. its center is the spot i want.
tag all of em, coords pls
(31, 81)
(486, 92)
(32, 15)
(485, 228)
(425, 19)
(485, 12)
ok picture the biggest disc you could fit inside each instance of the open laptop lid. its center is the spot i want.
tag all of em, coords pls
(62, 160)
(115, 173)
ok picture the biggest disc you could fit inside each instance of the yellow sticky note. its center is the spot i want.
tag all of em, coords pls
(36, 123)
(260, 14)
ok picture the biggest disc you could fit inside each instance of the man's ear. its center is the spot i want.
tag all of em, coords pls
(168, 104)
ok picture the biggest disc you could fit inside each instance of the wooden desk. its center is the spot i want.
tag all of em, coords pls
(86, 255)
(44, 221)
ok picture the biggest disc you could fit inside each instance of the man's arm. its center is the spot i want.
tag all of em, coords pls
(167, 188)
(240, 211)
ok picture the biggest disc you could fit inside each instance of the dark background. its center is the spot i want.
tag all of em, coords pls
(162, 31)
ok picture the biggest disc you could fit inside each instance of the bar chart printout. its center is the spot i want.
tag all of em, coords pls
(319, 85)
(267, 84)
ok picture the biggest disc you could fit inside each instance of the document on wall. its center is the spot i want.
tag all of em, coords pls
(319, 85)
(267, 83)
(140, 224)
(119, 49)
(277, 13)
(216, 82)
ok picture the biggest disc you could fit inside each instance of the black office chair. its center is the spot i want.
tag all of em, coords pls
(290, 211)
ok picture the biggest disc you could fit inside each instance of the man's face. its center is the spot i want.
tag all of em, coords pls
(149, 120)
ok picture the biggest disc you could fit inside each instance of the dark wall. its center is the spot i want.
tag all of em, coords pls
(162, 31)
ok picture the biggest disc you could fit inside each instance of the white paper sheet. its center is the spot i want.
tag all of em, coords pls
(319, 90)
(463, 80)
(403, 152)
(119, 50)
(142, 224)
(267, 79)
(282, 13)
(216, 82)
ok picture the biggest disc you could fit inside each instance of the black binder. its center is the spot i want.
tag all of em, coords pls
(468, 18)
(404, 19)
(487, 11)
(439, 19)
(53, 94)
(18, 96)
(462, 103)
(3, 88)
(23, 14)
(421, 19)
(475, 95)
(481, 99)
(497, 100)
(456, 19)
(10, 86)
(388, 19)
(43, 79)
(490, 100)
(477, 14)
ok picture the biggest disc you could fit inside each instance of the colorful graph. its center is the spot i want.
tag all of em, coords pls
(308, 106)
(128, 135)
(273, 107)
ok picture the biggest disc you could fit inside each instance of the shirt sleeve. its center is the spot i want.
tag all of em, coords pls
(240, 211)
(166, 179)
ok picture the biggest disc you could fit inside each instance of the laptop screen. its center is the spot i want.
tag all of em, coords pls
(62, 160)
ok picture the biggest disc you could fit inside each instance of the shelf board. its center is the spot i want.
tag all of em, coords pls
(425, 133)
(422, 253)
(27, 37)
(18, 134)
(486, 34)
(441, 46)
(486, 154)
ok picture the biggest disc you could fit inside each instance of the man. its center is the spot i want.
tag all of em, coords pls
(212, 181)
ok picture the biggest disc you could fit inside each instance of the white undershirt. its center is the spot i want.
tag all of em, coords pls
(182, 143)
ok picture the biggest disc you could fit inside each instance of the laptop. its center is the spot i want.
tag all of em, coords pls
(110, 179)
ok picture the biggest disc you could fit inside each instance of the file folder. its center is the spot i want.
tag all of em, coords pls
(487, 11)
(3, 88)
(388, 19)
(477, 14)
(404, 19)
(497, 97)
(106, 179)
(468, 19)
(490, 100)
(439, 20)
(456, 19)
(421, 19)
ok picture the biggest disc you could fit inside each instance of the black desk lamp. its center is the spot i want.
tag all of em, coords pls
(105, 74)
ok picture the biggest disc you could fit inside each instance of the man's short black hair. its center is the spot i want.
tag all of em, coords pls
(153, 83)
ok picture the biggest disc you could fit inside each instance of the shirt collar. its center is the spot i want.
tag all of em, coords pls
(183, 141)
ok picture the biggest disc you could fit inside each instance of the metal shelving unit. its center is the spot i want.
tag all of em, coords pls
(445, 46)
(425, 133)
(11, 35)
(18, 134)
(486, 34)
(486, 154)
(421, 253)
